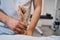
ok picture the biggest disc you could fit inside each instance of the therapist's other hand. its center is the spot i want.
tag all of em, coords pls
(16, 25)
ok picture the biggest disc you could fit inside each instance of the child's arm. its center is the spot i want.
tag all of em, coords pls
(35, 17)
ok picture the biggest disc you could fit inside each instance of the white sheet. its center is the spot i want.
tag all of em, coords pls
(23, 37)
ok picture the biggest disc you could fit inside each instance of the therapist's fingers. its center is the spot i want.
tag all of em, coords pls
(21, 31)
(21, 27)
(24, 24)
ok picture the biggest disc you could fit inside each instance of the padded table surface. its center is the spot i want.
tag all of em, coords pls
(23, 37)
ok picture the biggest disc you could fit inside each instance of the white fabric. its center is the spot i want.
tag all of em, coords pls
(23, 37)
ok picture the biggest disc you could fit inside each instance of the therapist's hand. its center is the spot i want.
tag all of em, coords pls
(16, 25)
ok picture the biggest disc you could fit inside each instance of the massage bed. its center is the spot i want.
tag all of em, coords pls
(24, 37)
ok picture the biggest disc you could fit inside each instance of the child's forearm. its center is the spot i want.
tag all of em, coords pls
(35, 19)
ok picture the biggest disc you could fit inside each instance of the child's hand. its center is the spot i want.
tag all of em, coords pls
(29, 33)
